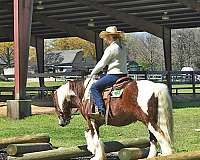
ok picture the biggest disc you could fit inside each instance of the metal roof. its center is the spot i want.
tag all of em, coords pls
(59, 18)
(63, 57)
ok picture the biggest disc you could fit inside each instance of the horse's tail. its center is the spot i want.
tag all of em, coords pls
(165, 117)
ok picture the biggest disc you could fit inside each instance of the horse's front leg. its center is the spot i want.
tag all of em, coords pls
(94, 144)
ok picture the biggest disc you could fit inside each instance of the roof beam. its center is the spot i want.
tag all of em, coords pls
(177, 20)
(124, 17)
(6, 32)
(193, 4)
(71, 30)
(6, 6)
(178, 26)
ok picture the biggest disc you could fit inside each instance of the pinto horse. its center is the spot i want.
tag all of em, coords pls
(143, 101)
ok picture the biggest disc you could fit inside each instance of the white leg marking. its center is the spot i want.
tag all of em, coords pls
(152, 151)
(90, 143)
(95, 145)
(164, 144)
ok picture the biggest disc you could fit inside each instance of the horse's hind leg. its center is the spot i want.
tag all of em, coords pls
(164, 144)
(153, 149)
(94, 144)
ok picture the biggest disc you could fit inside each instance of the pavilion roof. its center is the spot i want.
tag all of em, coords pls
(62, 18)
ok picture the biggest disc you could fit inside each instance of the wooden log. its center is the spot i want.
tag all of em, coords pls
(56, 154)
(66, 153)
(114, 146)
(133, 153)
(38, 138)
(195, 155)
(19, 149)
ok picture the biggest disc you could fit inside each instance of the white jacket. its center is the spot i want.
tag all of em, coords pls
(115, 57)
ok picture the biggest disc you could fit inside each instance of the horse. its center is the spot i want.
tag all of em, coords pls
(141, 100)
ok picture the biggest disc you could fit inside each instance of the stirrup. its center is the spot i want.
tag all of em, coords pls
(97, 115)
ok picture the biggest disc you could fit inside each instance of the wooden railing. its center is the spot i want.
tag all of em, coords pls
(39, 90)
(183, 82)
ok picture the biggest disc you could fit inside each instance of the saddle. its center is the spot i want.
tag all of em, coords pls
(117, 89)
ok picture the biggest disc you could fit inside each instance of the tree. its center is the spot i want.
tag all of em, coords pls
(6, 53)
(72, 43)
(185, 48)
(146, 50)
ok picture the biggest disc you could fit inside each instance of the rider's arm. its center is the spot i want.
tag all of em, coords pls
(103, 62)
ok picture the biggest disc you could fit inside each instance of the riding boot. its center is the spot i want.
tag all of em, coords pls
(100, 114)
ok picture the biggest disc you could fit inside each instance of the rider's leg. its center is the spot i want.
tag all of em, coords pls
(98, 87)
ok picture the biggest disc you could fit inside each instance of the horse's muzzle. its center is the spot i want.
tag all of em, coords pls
(62, 125)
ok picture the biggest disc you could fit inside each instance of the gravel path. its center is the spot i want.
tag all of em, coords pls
(109, 156)
(3, 156)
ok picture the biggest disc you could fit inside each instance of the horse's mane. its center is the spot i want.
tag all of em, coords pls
(87, 84)
(78, 87)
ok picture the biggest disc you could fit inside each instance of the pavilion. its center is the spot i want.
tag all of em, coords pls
(29, 22)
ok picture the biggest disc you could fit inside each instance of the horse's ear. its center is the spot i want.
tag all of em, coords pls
(54, 98)
(53, 94)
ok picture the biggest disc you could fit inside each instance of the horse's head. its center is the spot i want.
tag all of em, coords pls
(63, 104)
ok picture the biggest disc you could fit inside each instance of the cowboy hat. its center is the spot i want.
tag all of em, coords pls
(112, 30)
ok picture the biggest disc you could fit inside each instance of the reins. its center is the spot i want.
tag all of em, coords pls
(88, 83)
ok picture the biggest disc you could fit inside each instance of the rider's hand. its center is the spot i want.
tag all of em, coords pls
(96, 77)
(90, 76)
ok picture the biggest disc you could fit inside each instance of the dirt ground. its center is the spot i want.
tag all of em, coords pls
(35, 109)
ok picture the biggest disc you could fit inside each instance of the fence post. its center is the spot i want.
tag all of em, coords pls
(145, 75)
(169, 81)
(193, 82)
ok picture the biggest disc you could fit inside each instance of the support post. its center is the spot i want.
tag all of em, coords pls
(98, 47)
(193, 82)
(40, 58)
(22, 30)
(167, 55)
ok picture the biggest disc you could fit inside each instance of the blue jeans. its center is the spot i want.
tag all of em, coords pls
(98, 87)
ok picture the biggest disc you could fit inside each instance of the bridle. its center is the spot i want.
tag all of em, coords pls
(60, 112)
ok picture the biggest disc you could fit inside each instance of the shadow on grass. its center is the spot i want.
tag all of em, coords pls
(186, 101)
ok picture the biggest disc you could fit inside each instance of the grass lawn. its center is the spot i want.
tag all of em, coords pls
(32, 84)
(185, 121)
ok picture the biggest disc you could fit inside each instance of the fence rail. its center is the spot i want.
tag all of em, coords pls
(183, 82)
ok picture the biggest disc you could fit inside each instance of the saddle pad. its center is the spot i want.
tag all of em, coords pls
(117, 93)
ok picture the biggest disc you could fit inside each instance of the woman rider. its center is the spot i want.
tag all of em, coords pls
(115, 57)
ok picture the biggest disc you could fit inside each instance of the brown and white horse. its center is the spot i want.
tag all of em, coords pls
(143, 101)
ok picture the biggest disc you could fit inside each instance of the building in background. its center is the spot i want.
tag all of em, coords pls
(68, 61)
